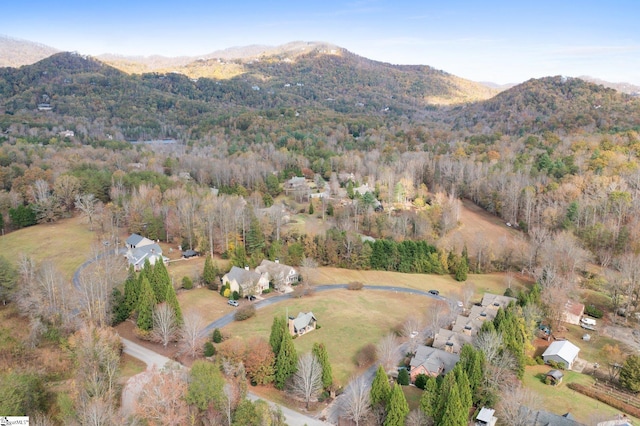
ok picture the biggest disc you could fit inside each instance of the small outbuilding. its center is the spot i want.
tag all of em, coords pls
(485, 417)
(554, 377)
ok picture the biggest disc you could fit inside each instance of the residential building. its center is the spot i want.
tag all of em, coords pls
(245, 282)
(431, 362)
(561, 351)
(303, 323)
(282, 276)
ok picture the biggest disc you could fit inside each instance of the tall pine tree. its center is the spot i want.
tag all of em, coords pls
(172, 300)
(131, 290)
(160, 280)
(397, 408)
(278, 328)
(209, 273)
(286, 361)
(380, 389)
(146, 303)
(464, 388)
(320, 351)
(454, 413)
(429, 398)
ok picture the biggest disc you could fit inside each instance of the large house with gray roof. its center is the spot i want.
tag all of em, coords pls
(431, 362)
(282, 276)
(141, 249)
(246, 282)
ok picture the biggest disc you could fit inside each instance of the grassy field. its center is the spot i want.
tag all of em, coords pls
(592, 350)
(448, 287)
(209, 304)
(412, 394)
(560, 399)
(349, 320)
(67, 242)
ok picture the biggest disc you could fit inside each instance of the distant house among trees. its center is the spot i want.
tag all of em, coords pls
(282, 276)
(303, 323)
(141, 249)
(245, 282)
(431, 362)
(573, 312)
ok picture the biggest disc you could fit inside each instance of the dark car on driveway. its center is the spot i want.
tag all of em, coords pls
(190, 253)
(434, 292)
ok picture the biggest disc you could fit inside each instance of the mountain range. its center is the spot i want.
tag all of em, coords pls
(308, 79)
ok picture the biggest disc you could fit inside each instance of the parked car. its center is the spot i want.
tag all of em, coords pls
(434, 292)
(233, 302)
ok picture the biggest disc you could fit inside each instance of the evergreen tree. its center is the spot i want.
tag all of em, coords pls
(403, 377)
(472, 361)
(286, 361)
(397, 408)
(421, 381)
(464, 388)
(209, 273)
(131, 290)
(146, 303)
(160, 281)
(630, 373)
(172, 300)
(380, 389)
(454, 413)
(462, 270)
(278, 329)
(217, 336)
(444, 391)
(255, 242)
(120, 312)
(429, 398)
(320, 351)
(310, 207)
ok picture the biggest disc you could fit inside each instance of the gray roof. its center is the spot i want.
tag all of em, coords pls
(303, 320)
(447, 339)
(545, 418)
(243, 277)
(485, 414)
(134, 239)
(497, 300)
(556, 374)
(482, 313)
(563, 349)
(434, 359)
(274, 268)
(469, 325)
(138, 255)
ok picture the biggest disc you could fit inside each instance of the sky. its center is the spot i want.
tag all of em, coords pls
(491, 41)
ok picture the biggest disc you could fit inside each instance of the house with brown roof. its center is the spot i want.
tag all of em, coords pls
(467, 325)
(481, 313)
(573, 312)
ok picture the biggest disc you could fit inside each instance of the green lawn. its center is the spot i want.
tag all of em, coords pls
(412, 394)
(560, 399)
(592, 350)
(67, 242)
(209, 304)
(130, 366)
(348, 321)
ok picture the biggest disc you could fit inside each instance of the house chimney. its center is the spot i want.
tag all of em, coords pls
(277, 260)
(246, 267)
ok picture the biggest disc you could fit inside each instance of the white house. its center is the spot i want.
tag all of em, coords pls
(485, 417)
(138, 256)
(561, 351)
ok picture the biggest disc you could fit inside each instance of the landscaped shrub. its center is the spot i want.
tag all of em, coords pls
(245, 313)
(403, 377)
(187, 284)
(209, 349)
(235, 295)
(355, 285)
(216, 337)
(266, 291)
(539, 360)
(366, 355)
(421, 381)
(509, 292)
(608, 399)
(592, 311)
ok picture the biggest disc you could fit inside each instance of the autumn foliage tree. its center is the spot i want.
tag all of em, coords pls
(259, 361)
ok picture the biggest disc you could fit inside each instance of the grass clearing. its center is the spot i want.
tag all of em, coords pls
(348, 321)
(592, 350)
(209, 304)
(560, 399)
(448, 287)
(67, 242)
(130, 366)
(412, 394)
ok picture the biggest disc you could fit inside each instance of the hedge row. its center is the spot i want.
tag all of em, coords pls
(606, 398)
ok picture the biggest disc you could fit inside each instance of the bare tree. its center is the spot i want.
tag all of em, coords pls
(417, 417)
(191, 339)
(489, 343)
(437, 317)
(468, 290)
(307, 380)
(98, 411)
(86, 203)
(388, 352)
(165, 327)
(161, 399)
(355, 400)
(517, 404)
(411, 329)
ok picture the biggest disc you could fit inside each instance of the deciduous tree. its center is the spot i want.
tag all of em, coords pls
(165, 326)
(307, 380)
(356, 401)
